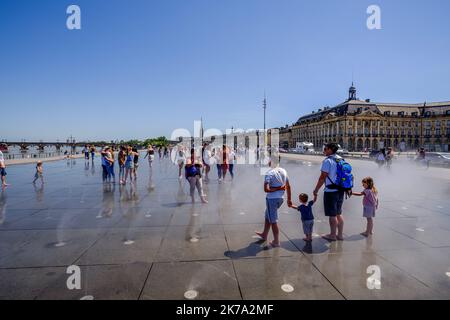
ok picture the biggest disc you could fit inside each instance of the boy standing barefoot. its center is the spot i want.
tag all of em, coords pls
(307, 216)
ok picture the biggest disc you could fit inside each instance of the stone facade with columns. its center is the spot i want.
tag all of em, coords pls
(359, 125)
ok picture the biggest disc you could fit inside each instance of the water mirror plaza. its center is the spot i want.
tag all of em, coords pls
(148, 241)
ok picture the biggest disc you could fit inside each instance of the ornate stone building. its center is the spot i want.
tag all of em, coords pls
(361, 124)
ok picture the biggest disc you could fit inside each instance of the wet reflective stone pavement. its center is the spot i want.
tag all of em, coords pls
(147, 241)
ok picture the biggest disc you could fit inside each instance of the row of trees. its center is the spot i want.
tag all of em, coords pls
(159, 142)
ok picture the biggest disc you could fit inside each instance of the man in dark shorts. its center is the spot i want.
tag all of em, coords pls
(332, 198)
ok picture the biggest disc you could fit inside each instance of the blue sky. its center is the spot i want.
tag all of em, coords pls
(142, 68)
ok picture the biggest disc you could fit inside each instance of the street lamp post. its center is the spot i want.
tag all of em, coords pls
(264, 108)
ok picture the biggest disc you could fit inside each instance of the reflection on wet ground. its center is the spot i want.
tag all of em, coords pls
(147, 241)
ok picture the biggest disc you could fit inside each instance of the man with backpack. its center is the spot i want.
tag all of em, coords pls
(338, 179)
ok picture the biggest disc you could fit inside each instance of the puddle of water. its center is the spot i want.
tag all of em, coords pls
(191, 294)
(193, 239)
(242, 213)
(195, 214)
(420, 229)
(128, 242)
(404, 208)
(287, 288)
(87, 298)
(148, 215)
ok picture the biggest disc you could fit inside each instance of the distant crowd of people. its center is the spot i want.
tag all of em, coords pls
(385, 157)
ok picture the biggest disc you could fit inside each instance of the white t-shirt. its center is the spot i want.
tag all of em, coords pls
(2, 160)
(329, 166)
(181, 156)
(231, 157)
(207, 156)
(276, 177)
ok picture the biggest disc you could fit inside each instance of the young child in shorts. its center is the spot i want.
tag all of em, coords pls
(305, 209)
(39, 173)
(370, 203)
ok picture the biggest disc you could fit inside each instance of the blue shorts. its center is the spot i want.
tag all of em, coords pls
(308, 226)
(2, 172)
(272, 206)
(129, 165)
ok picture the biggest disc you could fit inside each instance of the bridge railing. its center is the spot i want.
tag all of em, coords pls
(39, 155)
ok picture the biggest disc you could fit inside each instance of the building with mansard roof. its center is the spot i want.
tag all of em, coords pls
(359, 125)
